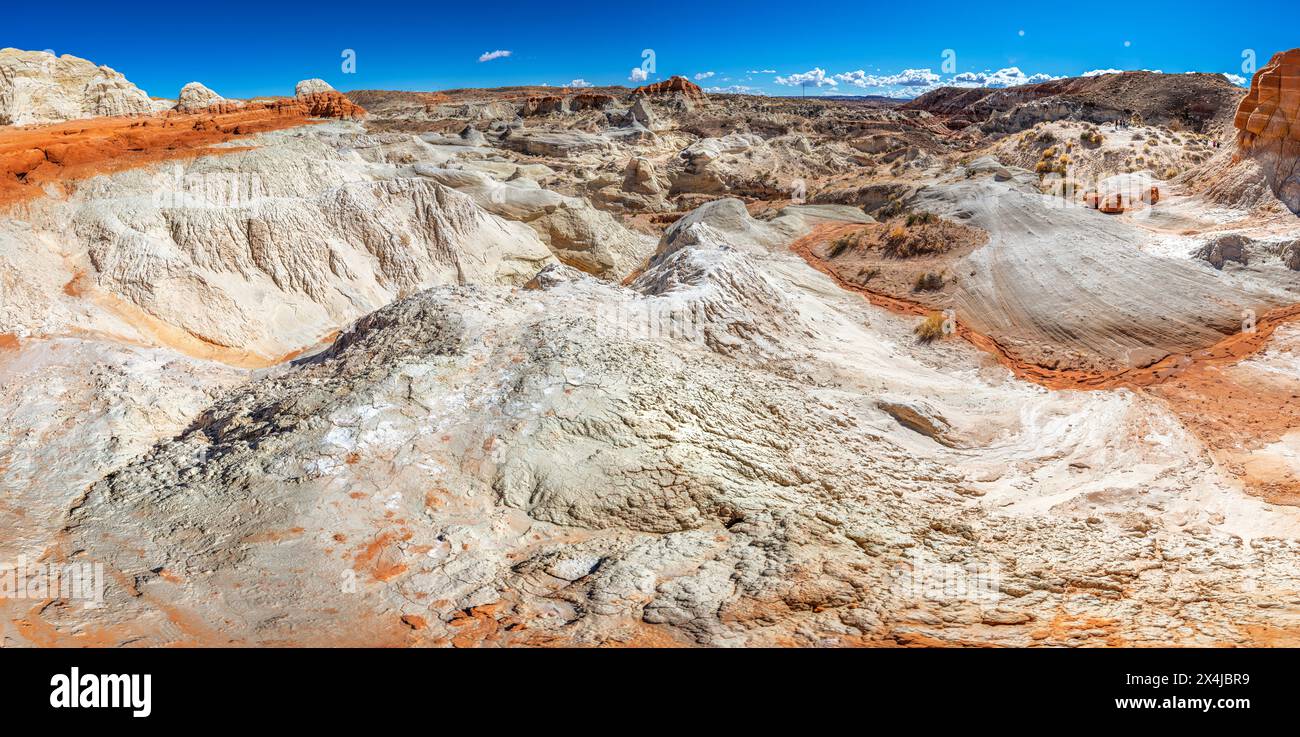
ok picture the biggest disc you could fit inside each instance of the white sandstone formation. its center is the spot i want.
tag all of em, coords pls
(312, 87)
(38, 87)
(196, 97)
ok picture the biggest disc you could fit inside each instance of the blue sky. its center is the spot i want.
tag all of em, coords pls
(258, 49)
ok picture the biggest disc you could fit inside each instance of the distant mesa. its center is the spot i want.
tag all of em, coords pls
(670, 86)
(1268, 125)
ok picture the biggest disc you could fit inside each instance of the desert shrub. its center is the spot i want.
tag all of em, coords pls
(1171, 172)
(1046, 136)
(920, 218)
(1049, 152)
(927, 282)
(840, 245)
(931, 328)
(1092, 137)
(1043, 167)
(894, 208)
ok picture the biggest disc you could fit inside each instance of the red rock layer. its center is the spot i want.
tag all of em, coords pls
(331, 105)
(669, 86)
(33, 157)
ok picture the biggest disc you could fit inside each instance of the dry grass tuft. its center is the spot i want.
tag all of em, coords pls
(931, 328)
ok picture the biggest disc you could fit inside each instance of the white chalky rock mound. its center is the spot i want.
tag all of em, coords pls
(37, 87)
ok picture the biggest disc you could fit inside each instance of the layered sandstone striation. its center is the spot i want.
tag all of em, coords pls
(37, 87)
(1268, 125)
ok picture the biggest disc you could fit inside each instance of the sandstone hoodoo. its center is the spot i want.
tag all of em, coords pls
(1268, 125)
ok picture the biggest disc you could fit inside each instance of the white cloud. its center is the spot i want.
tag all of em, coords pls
(1009, 77)
(735, 89)
(1099, 72)
(579, 83)
(1236, 79)
(905, 78)
(638, 75)
(761, 71)
(703, 75)
(490, 55)
(816, 77)
(912, 82)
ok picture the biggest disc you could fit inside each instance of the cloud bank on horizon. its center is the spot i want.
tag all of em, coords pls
(914, 82)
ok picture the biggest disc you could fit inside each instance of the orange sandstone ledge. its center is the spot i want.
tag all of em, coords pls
(32, 157)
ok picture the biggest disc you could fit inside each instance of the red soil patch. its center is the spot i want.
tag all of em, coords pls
(36, 156)
(377, 557)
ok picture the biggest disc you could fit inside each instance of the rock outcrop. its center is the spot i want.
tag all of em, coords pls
(331, 105)
(312, 87)
(544, 105)
(323, 101)
(1268, 125)
(591, 101)
(671, 86)
(38, 87)
(196, 97)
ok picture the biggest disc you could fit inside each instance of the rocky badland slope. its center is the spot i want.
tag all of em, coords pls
(1199, 102)
(487, 368)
